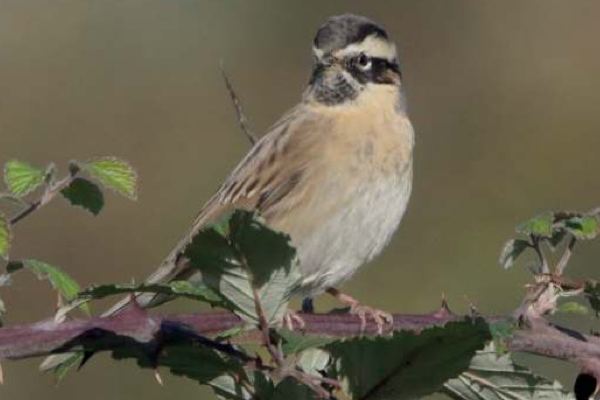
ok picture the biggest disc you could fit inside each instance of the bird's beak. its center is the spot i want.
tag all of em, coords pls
(391, 77)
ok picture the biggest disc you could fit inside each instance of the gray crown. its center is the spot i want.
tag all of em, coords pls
(342, 30)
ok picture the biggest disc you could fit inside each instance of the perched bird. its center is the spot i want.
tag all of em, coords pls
(335, 173)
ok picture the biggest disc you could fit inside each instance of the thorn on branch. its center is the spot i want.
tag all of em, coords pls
(444, 311)
(158, 377)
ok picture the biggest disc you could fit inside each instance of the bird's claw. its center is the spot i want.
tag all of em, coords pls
(291, 318)
(380, 317)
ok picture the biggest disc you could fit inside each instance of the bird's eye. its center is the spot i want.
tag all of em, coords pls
(363, 61)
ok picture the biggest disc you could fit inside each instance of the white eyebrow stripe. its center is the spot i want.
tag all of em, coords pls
(373, 46)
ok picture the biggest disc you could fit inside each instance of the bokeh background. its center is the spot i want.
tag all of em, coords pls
(504, 97)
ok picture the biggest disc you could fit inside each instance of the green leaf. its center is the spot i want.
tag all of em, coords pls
(176, 288)
(84, 193)
(313, 361)
(542, 225)
(557, 238)
(5, 236)
(573, 307)
(264, 250)
(296, 342)
(407, 365)
(21, 178)
(115, 174)
(584, 228)
(208, 367)
(511, 250)
(291, 389)
(502, 331)
(490, 377)
(61, 370)
(592, 292)
(251, 257)
(60, 280)
(201, 364)
(198, 291)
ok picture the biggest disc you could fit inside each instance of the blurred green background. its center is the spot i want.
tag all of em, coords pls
(504, 97)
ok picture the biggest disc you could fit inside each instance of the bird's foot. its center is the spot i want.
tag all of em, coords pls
(292, 320)
(381, 318)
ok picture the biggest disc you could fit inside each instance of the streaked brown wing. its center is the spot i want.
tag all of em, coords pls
(268, 174)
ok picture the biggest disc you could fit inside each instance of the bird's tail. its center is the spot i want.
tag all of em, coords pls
(172, 268)
(165, 273)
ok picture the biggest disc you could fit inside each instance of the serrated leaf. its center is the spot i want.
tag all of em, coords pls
(198, 291)
(573, 307)
(5, 236)
(511, 251)
(115, 174)
(542, 225)
(407, 365)
(199, 363)
(294, 342)
(490, 377)
(60, 280)
(313, 361)
(584, 228)
(21, 178)
(183, 352)
(251, 257)
(86, 194)
(175, 288)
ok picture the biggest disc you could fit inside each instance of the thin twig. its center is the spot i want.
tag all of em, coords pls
(241, 117)
(275, 350)
(540, 253)
(51, 191)
(263, 326)
(564, 260)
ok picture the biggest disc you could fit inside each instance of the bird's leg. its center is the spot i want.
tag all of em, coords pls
(380, 317)
(308, 306)
(293, 319)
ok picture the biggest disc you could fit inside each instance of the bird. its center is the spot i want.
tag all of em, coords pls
(334, 173)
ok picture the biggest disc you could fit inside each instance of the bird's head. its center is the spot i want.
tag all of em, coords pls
(351, 53)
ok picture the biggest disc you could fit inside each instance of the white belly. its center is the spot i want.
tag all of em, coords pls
(356, 233)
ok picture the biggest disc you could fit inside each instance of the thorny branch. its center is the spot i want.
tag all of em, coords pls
(536, 336)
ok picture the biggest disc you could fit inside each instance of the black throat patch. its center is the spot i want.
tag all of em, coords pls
(331, 90)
